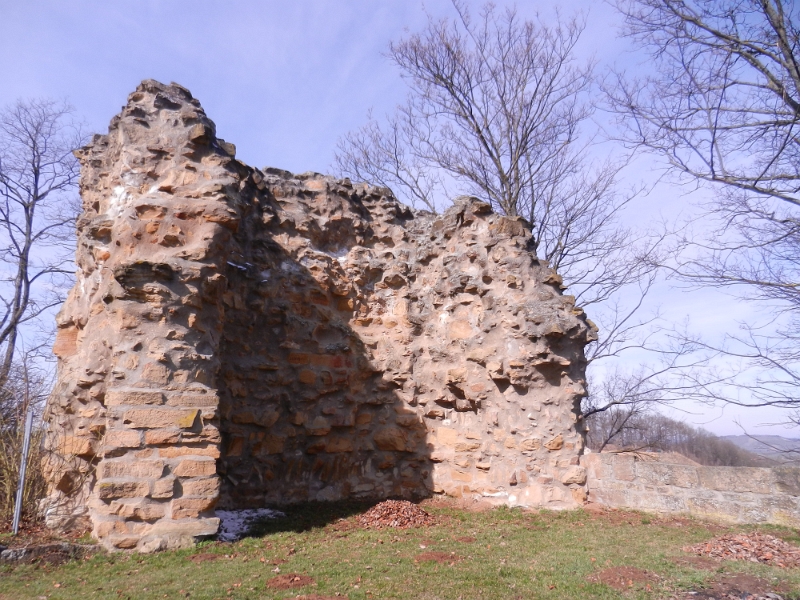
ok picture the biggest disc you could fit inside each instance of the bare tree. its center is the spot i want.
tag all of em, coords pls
(499, 108)
(640, 429)
(496, 109)
(38, 177)
(723, 108)
(26, 390)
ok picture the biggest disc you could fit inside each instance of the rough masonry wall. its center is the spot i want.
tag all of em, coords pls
(733, 494)
(238, 337)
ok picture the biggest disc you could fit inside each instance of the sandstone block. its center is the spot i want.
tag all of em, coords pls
(193, 400)
(339, 444)
(654, 473)
(467, 446)
(76, 445)
(460, 330)
(624, 468)
(155, 437)
(307, 376)
(461, 476)
(556, 443)
(391, 438)
(298, 358)
(732, 479)
(319, 426)
(122, 438)
(446, 436)
(408, 420)
(153, 418)
(66, 343)
(183, 508)
(196, 468)
(133, 397)
(271, 444)
(141, 469)
(111, 489)
(109, 527)
(176, 451)
(163, 488)
(363, 419)
(530, 445)
(206, 487)
(191, 528)
(139, 510)
(127, 542)
(574, 475)
(156, 373)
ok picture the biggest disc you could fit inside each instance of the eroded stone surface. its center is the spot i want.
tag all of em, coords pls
(239, 336)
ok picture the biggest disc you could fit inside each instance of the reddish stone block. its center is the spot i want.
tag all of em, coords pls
(196, 467)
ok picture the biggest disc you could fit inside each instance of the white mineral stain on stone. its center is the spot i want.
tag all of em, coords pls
(117, 201)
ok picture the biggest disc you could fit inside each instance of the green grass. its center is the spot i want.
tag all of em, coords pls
(516, 554)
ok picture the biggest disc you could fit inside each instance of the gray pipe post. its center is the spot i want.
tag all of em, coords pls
(26, 443)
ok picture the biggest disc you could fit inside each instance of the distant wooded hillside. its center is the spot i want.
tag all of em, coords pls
(773, 447)
(620, 429)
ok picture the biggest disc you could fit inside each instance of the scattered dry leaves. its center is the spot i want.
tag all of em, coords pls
(752, 547)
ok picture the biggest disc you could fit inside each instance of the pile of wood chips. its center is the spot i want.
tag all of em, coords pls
(753, 547)
(399, 514)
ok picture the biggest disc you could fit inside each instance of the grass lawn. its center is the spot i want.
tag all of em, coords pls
(497, 553)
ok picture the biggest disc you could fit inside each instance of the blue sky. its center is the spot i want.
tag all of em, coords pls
(283, 81)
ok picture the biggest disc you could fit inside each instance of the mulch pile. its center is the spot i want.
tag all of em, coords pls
(752, 547)
(399, 514)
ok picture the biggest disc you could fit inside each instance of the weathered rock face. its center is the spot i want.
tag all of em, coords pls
(239, 337)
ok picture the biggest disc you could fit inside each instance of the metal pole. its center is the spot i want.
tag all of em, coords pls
(26, 443)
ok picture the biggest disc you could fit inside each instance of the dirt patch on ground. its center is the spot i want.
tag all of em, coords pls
(204, 557)
(289, 580)
(625, 578)
(438, 557)
(466, 540)
(735, 587)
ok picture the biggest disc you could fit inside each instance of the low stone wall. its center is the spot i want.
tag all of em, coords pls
(733, 494)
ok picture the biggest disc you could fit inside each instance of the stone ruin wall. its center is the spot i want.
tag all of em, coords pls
(239, 337)
(643, 481)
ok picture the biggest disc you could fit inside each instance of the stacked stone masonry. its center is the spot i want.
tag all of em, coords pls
(732, 494)
(242, 337)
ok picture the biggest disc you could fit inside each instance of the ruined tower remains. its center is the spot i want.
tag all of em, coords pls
(238, 337)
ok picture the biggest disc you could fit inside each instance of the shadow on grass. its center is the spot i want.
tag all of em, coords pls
(308, 516)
